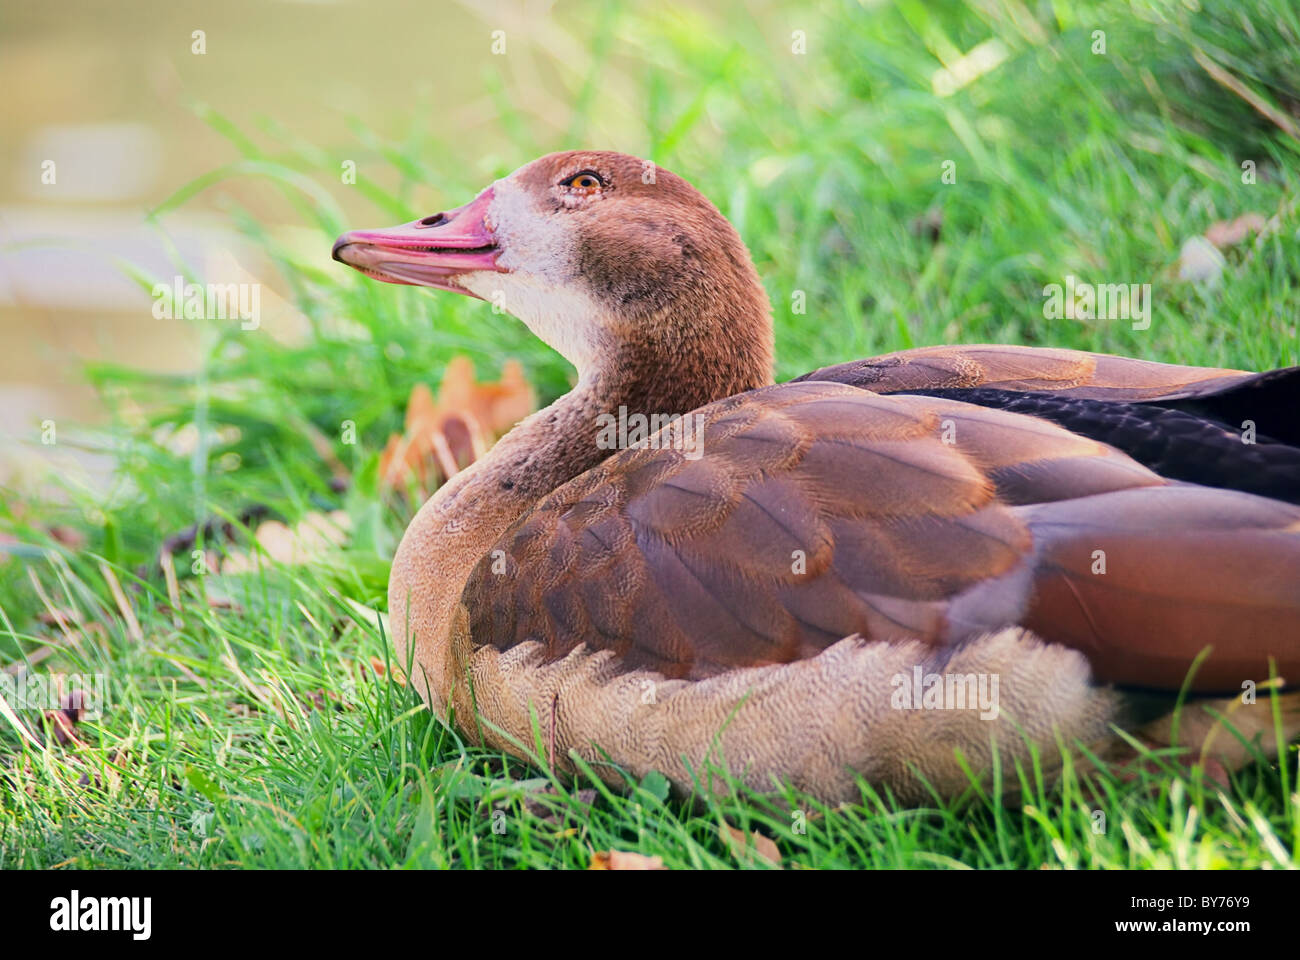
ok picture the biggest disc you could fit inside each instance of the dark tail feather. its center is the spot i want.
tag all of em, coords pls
(1196, 440)
(1270, 400)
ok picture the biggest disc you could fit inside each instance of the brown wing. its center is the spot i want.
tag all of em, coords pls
(1185, 423)
(1072, 373)
(818, 511)
(1143, 580)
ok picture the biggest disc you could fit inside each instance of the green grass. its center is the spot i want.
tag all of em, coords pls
(247, 726)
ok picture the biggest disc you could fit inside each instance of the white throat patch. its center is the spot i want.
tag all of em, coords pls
(540, 288)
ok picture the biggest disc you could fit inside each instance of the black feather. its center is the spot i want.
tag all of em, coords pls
(1196, 440)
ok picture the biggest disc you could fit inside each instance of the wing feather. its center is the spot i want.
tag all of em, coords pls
(819, 510)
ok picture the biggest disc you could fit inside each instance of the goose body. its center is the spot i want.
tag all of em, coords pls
(767, 583)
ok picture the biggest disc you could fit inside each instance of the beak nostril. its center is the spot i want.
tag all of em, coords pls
(436, 220)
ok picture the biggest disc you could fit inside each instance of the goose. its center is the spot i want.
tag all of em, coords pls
(797, 583)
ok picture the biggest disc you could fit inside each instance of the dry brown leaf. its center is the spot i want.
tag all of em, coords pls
(377, 665)
(929, 224)
(444, 436)
(56, 615)
(63, 727)
(75, 703)
(535, 802)
(1229, 233)
(71, 538)
(624, 860)
(745, 850)
(63, 721)
(33, 658)
(324, 699)
(311, 538)
(497, 406)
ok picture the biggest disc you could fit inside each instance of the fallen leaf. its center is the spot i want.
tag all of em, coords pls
(622, 860)
(377, 665)
(321, 699)
(75, 703)
(213, 530)
(928, 225)
(1229, 233)
(745, 850)
(499, 405)
(62, 726)
(218, 602)
(444, 436)
(55, 615)
(69, 537)
(314, 536)
(535, 802)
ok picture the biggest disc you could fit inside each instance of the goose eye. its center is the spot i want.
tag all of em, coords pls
(586, 181)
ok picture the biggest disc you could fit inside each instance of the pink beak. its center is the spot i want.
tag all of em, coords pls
(427, 253)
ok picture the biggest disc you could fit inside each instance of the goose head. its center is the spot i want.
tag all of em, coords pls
(600, 254)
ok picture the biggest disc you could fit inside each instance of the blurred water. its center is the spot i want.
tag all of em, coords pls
(97, 128)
